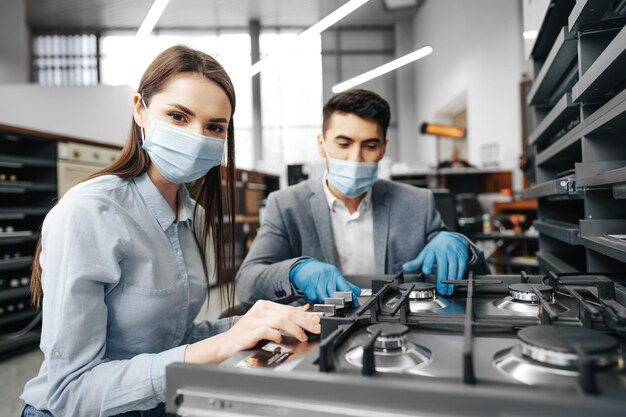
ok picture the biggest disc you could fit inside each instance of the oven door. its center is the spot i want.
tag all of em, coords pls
(70, 174)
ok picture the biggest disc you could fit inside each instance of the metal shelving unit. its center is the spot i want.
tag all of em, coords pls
(580, 162)
(27, 191)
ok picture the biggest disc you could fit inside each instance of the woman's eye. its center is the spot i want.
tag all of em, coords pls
(177, 117)
(215, 128)
(343, 145)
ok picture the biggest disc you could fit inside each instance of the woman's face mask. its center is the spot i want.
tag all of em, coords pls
(351, 179)
(179, 155)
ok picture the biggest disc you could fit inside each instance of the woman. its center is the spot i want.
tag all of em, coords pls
(126, 256)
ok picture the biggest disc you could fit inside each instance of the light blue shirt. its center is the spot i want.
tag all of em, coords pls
(123, 283)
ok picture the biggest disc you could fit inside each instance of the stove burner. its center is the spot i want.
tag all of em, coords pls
(421, 290)
(547, 355)
(523, 300)
(422, 298)
(556, 346)
(392, 351)
(524, 292)
(392, 336)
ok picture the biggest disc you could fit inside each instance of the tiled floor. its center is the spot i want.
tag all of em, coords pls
(15, 372)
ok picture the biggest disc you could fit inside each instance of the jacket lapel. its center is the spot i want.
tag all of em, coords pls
(321, 217)
(381, 209)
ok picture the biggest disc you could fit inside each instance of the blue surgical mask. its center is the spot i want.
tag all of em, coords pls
(350, 178)
(179, 155)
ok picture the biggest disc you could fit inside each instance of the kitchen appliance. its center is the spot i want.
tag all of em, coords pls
(514, 345)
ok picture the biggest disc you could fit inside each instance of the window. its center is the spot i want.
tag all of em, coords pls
(65, 59)
(291, 94)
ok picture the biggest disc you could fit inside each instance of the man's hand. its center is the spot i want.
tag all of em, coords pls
(449, 253)
(319, 280)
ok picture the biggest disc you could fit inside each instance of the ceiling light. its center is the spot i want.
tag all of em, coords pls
(383, 69)
(151, 19)
(316, 29)
(530, 34)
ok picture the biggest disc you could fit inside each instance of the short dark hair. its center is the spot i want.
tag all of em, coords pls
(363, 103)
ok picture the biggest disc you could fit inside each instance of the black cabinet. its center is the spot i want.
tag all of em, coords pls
(28, 189)
(579, 102)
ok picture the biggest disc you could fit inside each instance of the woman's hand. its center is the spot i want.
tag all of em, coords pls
(264, 321)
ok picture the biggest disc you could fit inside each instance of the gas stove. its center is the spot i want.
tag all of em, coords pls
(501, 345)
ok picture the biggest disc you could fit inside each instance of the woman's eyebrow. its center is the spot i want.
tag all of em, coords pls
(187, 110)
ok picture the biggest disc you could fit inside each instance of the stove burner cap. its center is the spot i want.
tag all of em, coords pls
(421, 290)
(391, 337)
(524, 292)
(556, 345)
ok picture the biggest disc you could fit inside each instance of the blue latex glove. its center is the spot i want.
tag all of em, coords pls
(319, 280)
(449, 253)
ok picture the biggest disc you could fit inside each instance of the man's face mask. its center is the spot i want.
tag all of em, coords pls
(179, 155)
(351, 179)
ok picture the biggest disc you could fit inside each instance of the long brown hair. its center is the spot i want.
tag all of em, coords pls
(207, 191)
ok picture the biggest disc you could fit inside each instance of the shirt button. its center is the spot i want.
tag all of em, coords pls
(57, 354)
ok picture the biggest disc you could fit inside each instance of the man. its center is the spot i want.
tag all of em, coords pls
(349, 222)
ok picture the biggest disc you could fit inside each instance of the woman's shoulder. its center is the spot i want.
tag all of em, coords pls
(99, 185)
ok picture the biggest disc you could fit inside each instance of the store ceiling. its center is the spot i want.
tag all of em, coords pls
(200, 14)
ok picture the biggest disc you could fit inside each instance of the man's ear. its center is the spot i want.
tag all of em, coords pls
(384, 148)
(320, 148)
(139, 111)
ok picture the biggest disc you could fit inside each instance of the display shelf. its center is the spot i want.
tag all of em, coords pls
(17, 317)
(547, 189)
(15, 263)
(21, 212)
(560, 58)
(600, 78)
(563, 111)
(551, 262)
(555, 19)
(593, 174)
(20, 187)
(592, 14)
(11, 161)
(596, 235)
(29, 340)
(564, 149)
(13, 293)
(563, 231)
(5, 240)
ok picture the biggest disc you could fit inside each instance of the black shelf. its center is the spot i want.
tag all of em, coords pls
(592, 14)
(563, 231)
(559, 59)
(14, 293)
(563, 110)
(20, 187)
(21, 212)
(11, 161)
(547, 189)
(15, 263)
(601, 76)
(29, 340)
(551, 262)
(17, 317)
(593, 174)
(5, 240)
(594, 235)
(555, 19)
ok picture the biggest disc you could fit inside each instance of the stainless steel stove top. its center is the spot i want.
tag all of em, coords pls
(502, 344)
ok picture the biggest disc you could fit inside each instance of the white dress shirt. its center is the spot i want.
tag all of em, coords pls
(353, 233)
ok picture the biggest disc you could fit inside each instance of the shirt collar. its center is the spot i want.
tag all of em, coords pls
(158, 206)
(364, 205)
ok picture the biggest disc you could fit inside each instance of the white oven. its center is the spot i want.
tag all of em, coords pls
(77, 161)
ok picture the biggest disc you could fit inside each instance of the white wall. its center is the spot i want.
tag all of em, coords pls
(477, 60)
(13, 42)
(98, 113)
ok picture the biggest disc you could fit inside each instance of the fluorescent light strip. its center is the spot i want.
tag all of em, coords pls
(316, 29)
(151, 19)
(530, 34)
(383, 69)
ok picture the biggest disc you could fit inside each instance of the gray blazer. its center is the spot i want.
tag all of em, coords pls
(297, 224)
